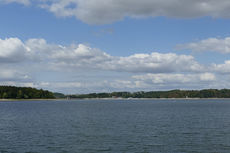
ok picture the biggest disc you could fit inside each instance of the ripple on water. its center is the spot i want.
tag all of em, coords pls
(115, 126)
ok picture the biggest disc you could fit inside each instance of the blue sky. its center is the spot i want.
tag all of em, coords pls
(81, 46)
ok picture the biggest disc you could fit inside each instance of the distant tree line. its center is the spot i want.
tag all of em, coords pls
(59, 95)
(11, 92)
(207, 93)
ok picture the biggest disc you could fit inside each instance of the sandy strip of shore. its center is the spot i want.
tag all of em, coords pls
(9, 100)
(2, 100)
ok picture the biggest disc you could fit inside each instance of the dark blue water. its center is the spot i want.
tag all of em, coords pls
(141, 126)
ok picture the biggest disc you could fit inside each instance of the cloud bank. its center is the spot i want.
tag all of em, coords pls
(108, 11)
(82, 56)
(80, 68)
(210, 44)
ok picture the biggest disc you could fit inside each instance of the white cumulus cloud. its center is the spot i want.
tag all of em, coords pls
(12, 75)
(84, 57)
(81, 68)
(222, 68)
(169, 81)
(175, 78)
(210, 44)
(107, 11)
(11, 50)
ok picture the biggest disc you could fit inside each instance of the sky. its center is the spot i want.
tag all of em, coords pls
(85, 46)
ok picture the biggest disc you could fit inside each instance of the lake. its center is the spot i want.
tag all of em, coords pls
(117, 126)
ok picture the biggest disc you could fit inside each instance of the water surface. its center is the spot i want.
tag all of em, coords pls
(141, 126)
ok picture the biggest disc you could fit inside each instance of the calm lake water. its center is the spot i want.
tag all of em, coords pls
(119, 126)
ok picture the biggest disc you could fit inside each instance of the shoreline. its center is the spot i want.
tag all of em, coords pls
(145, 98)
(2, 100)
(71, 99)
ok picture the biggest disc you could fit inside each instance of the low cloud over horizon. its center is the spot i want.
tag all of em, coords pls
(78, 68)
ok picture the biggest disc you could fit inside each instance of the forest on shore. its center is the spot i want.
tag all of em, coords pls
(206, 93)
(11, 92)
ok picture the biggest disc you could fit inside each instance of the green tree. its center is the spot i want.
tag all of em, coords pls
(5, 95)
(19, 94)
